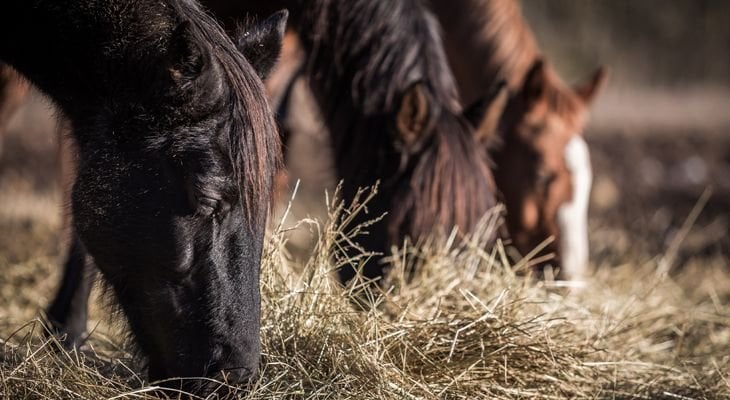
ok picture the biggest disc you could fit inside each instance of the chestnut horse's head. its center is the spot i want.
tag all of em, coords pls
(543, 167)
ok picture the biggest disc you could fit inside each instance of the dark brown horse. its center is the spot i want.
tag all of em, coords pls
(382, 82)
(542, 165)
(177, 149)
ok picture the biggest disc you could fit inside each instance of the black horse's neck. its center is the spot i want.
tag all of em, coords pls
(86, 53)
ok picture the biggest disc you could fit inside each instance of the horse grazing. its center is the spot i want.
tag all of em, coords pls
(177, 149)
(542, 164)
(381, 79)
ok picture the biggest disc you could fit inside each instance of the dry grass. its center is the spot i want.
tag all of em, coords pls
(457, 322)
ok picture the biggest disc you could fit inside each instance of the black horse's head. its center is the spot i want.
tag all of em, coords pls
(172, 194)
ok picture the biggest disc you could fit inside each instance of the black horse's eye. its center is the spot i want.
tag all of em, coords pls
(206, 206)
(207, 195)
(209, 207)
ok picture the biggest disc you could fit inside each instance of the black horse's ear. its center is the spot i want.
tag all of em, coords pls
(187, 57)
(261, 43)
(413, 115)
(485, 113)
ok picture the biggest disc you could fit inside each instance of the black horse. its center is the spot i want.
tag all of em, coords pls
(177, 149)
(382, 81)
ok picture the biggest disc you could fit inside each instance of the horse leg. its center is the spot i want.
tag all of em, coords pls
(13, 91)
(68, 312)
(280, 85)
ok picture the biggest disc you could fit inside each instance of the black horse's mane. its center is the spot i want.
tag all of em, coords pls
(364, 56)
(252, 145)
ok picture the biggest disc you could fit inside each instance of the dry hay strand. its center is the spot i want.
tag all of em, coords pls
(33, 365)
(451, 320)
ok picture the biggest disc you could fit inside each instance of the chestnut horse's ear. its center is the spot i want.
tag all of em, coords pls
(485, 113)
(188, 58)
(589, 90)
(535, 83)
(261, 43)
(413, 114)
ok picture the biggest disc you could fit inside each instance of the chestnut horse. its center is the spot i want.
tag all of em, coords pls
(542, 164)
(177, 149)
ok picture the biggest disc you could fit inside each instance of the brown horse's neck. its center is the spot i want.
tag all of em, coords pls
(486, 41)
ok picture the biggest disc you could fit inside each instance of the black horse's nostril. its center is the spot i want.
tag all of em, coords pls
(238, 369)
(223, 383)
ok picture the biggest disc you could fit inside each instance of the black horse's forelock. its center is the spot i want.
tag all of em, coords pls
(251, 142)
(364, 55)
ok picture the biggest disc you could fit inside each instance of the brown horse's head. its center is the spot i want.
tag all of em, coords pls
(543, 167)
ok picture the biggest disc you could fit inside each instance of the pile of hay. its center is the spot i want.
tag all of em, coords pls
(456, 322)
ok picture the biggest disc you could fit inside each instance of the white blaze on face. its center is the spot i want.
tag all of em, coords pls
(573, 215)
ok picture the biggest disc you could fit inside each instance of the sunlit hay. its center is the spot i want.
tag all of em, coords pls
(32, 366)
(309, 325)
(452, 320)
(498, 335)
(456, 321)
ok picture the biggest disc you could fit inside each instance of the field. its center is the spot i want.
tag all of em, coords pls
(653, 321)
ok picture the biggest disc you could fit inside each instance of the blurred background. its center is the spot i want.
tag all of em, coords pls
(674, 44)
(658, 136)
(660, 131)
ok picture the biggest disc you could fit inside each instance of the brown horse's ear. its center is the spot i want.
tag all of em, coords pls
(589, 90)
(535, 83)
(188, 58)
(485, 113)
(261, 43)
(412, 115)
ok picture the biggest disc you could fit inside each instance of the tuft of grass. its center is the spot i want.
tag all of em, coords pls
(451, 320)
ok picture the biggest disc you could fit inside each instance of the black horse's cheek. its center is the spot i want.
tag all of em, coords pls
(124, 211)
(196, 277)
(93, 218)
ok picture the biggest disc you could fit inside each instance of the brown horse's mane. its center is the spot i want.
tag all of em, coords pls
(363, 57)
